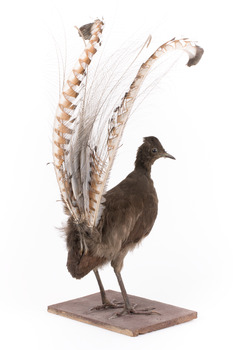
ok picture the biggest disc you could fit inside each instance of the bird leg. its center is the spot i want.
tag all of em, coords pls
(130, 309)
(106, 304)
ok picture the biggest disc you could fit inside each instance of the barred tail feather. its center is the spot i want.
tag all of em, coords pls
(63, 123)
(122, 113)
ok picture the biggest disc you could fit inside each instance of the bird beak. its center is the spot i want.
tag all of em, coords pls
(167, 155)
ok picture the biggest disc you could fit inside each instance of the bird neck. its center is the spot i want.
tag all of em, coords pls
(143, 167)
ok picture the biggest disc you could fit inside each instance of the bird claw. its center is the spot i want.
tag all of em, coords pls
(132, 311)
(108, 305)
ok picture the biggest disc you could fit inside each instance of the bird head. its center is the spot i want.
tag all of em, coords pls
(149, 152)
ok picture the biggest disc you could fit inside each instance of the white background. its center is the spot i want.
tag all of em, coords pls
(187, 259)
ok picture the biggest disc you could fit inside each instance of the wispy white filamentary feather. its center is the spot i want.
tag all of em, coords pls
(94, 107)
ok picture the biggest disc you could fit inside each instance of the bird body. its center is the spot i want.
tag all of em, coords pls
(130, 209)
(129, 213)
(104, 225)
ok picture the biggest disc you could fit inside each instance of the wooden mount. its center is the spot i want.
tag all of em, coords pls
(131, 325)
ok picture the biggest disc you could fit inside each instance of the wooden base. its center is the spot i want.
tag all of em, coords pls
(132, 325)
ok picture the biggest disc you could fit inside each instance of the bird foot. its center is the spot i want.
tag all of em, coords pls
(133, 311)
(108, 305)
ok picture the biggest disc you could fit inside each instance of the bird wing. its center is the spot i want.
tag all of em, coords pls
(92, 114)
(118, 219)
(125, 219)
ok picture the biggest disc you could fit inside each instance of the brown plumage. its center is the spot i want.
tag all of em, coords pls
(130, 210)
(93, 110)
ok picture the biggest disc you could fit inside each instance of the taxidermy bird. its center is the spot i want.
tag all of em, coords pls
(93, 110)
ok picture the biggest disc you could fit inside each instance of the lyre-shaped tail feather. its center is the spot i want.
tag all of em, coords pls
(121, 115)
(64, 120)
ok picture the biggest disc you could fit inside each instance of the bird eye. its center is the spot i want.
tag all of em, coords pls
(154, 150)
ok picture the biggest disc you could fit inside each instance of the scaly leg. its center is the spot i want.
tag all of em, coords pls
(129, 309)
(106, 304)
